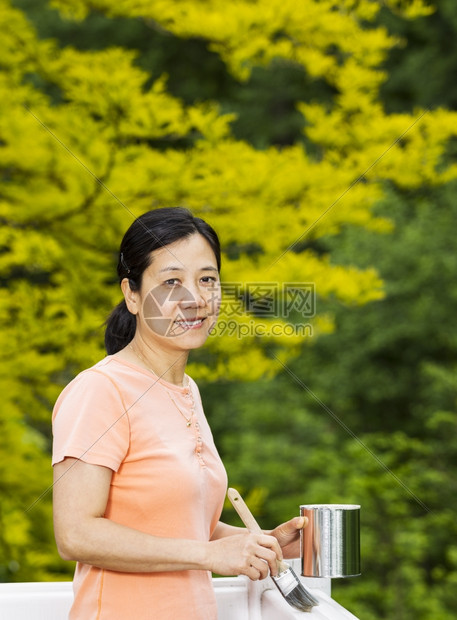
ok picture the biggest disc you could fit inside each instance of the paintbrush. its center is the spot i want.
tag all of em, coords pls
(286, 580)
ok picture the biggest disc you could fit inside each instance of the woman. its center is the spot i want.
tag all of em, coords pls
(138, 483)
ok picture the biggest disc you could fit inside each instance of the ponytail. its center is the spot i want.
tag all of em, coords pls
(120, 328)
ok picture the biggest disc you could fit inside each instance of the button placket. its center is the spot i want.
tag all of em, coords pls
(199, 444)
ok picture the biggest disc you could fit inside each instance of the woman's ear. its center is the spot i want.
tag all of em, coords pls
(131, 297)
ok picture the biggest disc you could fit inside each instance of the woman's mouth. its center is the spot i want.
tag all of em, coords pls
(190, 323)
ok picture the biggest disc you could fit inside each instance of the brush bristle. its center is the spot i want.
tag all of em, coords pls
(294, 591)
(300, 599)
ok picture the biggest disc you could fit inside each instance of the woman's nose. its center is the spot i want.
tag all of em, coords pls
(195, 299)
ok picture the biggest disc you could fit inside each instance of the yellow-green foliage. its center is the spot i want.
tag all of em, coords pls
(80, 169)
(77, 169)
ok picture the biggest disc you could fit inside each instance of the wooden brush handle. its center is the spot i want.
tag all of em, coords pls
(243, 511)
(248, 519)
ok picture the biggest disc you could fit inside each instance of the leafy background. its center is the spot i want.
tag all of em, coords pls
(259, 117)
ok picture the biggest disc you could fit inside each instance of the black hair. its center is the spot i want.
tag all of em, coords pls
(151, 231)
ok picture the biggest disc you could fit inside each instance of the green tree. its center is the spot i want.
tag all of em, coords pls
(368, 415)
(421, 69)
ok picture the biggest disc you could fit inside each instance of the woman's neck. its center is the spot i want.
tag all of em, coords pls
(168, 365)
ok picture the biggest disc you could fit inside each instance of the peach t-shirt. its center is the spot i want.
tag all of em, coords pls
(168, 481)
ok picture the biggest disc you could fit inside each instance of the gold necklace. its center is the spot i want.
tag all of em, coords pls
(192, 406)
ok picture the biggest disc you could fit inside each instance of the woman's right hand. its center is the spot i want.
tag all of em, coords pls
(247, 554)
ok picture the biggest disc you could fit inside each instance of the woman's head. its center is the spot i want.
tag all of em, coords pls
(154, 230)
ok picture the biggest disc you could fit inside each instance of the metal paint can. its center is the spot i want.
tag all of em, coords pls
(330, 543)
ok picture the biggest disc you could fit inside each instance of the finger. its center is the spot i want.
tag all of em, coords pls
(271, 542)
(269, 557)
(300, 522)
(261, 566)
(290, 527)
(253, 573)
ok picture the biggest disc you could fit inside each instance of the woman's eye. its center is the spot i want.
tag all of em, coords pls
(209, 280)
(172, 282)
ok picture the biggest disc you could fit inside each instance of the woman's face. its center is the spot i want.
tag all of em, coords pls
(180, 295)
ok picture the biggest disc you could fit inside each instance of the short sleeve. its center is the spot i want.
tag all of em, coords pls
(90, 422)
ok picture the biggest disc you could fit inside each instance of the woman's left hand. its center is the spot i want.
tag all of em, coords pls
(288, 536)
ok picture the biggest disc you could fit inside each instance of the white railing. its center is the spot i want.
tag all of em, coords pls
(238, 598)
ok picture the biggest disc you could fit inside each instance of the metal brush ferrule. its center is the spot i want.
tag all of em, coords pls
(286, 581)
